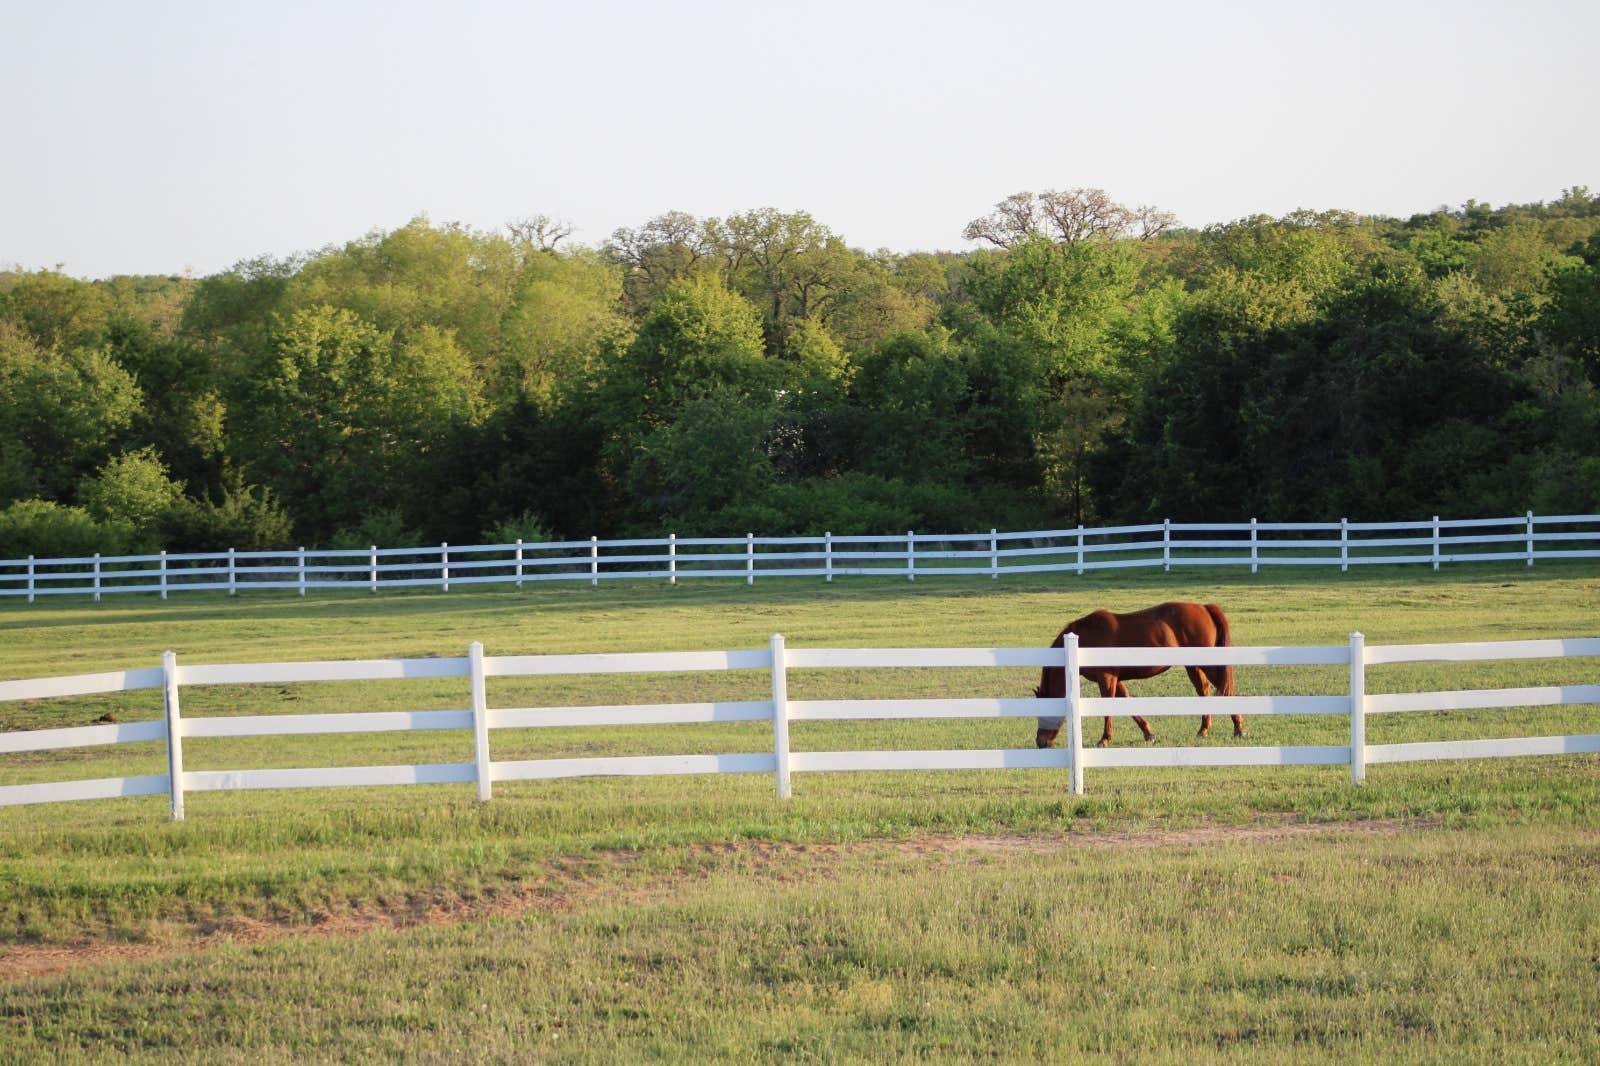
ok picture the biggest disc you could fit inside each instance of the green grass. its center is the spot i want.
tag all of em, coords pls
(1425, 946)
(1187, 952)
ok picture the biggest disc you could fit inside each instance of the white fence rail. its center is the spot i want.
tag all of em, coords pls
(1355, 704)
(1518, 539)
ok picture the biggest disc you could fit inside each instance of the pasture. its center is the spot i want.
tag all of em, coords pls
(1443, 910)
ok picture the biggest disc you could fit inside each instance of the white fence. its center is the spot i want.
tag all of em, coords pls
(1354, 704)
(1518, 539)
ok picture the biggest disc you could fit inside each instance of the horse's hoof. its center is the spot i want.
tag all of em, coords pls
(1203, 733)
(1238, 732)
(1104, 743)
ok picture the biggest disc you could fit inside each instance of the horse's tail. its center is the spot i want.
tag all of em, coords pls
(1221, 676)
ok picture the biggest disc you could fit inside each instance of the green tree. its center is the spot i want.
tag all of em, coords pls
(788, 264)
(56, 311)
(1516, 260)
(336, 416)
(566, 315)
(666, 249)
(1070, 310)
(916, 388)
(1061, 300)
(133, 489)
(183, 416)
(698, 336)
(1369, 405)
(233, 312)
(816, 364)
(887, 295)
(62, 412)
(1572, 321)
(447, 277)
(712, 454)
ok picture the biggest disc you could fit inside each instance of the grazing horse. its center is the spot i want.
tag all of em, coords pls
(1170, 625)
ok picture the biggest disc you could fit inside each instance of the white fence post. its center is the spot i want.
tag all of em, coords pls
(911, 555)
(1255, 557)
(444, 567)
(163, 572)
(827, 555)
(169, 684)
(480, 719)
(1344, 545)
(301, 569)
(780, 716)
(1436, 542)
(1166, 544)
(372, 563)
(1074, 716)
(594, 561)
(672, 559)
(519, 562)
(233, 573)
(97, 577)
(1530, 538)
(1358, 708)
(994, 554)
(1080, 549)
(30, 578)
(749, 558)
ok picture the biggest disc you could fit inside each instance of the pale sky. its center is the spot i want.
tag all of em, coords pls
(158, 137)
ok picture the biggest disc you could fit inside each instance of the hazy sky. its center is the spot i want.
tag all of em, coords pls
(157, 137)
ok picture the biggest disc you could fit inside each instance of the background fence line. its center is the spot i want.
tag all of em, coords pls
(1522, 538)
(1355, 704)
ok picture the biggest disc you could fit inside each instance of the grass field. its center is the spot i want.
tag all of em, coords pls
(1444, 911)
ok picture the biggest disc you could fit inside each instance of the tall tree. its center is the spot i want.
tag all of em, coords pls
(564, 318)
(666, 249)
(699, 335)
(1068, 216)
(336, 415)
(62, 413)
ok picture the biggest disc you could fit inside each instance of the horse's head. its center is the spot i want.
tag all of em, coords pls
(1049, 728)
(1052, 686)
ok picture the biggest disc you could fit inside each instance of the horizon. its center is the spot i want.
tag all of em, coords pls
(572, 243)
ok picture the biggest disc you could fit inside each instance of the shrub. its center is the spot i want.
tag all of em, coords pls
(526, 526)
(50, 530)
(132, 489)
(247, 519)
(383, 528)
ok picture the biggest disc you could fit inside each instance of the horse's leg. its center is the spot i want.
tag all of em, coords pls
(1144, 726)
(1219, 677)
(1197, 678)
(1108, 688)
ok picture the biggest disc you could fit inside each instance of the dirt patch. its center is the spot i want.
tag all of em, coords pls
(572, 883)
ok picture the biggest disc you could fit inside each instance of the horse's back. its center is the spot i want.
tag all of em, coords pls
(1175, 624)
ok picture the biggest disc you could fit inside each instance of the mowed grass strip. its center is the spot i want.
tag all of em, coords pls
(1407, 944)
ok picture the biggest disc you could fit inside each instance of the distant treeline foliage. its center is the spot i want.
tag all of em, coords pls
(1092, 362)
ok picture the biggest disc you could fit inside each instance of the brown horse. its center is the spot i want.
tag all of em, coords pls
(1171, 625)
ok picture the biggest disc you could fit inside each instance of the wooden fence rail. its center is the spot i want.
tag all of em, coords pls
(1519, 539)
(1354, 703)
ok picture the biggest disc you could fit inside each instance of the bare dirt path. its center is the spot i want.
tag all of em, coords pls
(572, 883)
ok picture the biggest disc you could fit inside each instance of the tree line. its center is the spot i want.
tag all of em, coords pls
(1089, 362)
